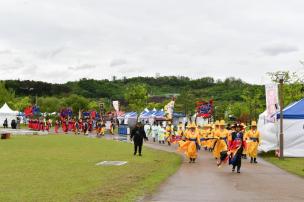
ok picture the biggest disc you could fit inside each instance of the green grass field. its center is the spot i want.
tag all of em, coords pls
(62, 168)
(292, 165)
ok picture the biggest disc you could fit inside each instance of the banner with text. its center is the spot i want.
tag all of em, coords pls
(272, 101)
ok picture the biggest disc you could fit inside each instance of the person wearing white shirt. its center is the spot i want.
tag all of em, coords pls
(147, 129)
(154, 131)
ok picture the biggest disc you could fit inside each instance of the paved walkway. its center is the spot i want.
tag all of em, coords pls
(203, 181)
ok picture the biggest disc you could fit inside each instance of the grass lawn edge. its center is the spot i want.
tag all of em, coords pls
(153, 181)
(288, 164)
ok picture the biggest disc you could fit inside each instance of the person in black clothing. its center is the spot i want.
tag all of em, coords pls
(138, 135)
(14, 124)
(5, 123)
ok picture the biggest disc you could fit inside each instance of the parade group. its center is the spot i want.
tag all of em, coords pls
(228, 143)
(77, 126)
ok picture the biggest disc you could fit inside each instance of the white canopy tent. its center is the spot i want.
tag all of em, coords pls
(293, 130)
(7, 112)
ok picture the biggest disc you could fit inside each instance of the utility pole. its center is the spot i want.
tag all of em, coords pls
(281, 77)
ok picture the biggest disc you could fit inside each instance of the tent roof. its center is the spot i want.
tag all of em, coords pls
(131, 114)
(294, 111)
(5, 109)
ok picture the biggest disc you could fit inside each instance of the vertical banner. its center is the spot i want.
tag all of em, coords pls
(204, 109)
(169, 108)
(116, 105)
(272, 101)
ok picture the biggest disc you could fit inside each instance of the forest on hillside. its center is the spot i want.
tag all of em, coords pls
(232, 96)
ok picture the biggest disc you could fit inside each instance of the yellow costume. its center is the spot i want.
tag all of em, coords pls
(210, 140)
(253, 137)
(168, 134)
(190, 146)
(221, 143)
(246, 139)
(214, 134)
(103, 130)
(180, 131)
(204, 133)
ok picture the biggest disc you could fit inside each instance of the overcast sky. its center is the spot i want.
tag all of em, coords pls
(64, 40)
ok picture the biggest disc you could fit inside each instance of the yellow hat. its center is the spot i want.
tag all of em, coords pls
(208, 126)
(253, 123)
(244, 126)
(222, 123)
(217, 123)
(192, 125)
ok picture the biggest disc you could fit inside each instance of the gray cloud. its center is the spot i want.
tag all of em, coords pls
(82, 67)
(277, 49)
(189, 38)
(4, 52)
(118, 62)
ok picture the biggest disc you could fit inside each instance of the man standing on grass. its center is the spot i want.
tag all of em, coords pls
(138, 135)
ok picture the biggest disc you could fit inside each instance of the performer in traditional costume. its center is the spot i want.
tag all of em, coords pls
(221, 144)
(168, 134)
(210, 140)
(253, 137)
(86, 127)
(243, 126)
(180, 132)
(204, 134)
(103, 128)
(192, 143)
(215, 135)
(161, 135)
(98, 128)
(80, 122)
(112, 128)
(236, 148)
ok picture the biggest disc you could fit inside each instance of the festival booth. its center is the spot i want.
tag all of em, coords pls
(7, 113)
(293, 130)
(179, 117)
(130, 119)
(148, 116)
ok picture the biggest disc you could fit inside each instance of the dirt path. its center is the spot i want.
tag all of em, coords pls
(203, 181)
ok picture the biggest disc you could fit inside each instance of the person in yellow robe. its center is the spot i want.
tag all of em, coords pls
(230, 131)
(204, 134)
(192, 143)
(180, 131)
(253, 137)
(215, 134)
(221, 144)
(210, 139)
(168, 134)
(244, 155)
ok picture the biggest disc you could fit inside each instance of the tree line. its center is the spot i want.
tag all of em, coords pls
(233, 98)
